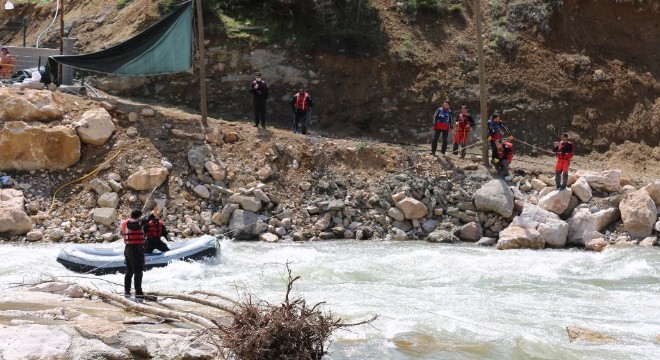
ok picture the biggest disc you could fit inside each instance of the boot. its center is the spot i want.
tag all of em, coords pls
(558, 179)
(455, 149)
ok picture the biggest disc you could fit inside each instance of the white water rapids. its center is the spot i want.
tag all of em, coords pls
(433, 301)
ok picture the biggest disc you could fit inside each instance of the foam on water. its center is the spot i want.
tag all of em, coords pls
(434, 301)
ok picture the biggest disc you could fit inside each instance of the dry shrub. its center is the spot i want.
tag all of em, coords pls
(291, 330)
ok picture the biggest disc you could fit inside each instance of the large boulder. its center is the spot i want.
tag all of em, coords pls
(603, 218)
(556, 201)
(495, 196)
(243, 224)
(638, 213)
(519, 238)
(411, 208)
(26, 147)
(654, 191)
(582, 190)
(553, 230)
(147, 179)
(13, 219)
(108, 200)
(581, 227)
(441, 236)
(197, 158)
(470, 232)
(608, 180)
(95, 126)
(31, 105)
(105, 216)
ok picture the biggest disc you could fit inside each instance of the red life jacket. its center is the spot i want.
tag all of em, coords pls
(566, 156)
(500, 152)
(301, 102)
(131, 237)
(154, 228)
(462, 123)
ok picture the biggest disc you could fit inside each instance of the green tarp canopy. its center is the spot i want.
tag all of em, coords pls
(164, 48)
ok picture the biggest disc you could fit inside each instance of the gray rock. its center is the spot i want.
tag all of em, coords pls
(441, 236)
(268, 237)
(35, 235)
(603, 218)
(649, 241)
(582, 190)
(429, 225)
(402, 225)
(486, 241)
(197, 158)
(259, 194)
(109, 200)
(556, 201)
(105, 216)
(249, 203)
(399, 235)
(411, 208)
(519, 238)
(243, 225)
(333, 205)
(396, 214)
(100, 186)
(495, 196)
(581, 227)
(638, 213)
(323, 222)
(470, 232)
(202, 191)
(115, 186)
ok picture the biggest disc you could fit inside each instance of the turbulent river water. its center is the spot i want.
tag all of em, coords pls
(433, 301)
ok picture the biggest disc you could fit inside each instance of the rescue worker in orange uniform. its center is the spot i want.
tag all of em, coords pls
(131, 230)
(464, 124)
(301, 105)
(564, 150)
(154, 229)
(503, 158)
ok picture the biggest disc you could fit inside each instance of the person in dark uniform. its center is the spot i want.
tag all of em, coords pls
(131, 230)
(442, 123)
(153, 229)
(259, 91)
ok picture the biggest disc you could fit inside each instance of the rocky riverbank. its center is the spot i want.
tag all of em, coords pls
(254, 184)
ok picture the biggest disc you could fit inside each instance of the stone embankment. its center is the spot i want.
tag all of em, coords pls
(274, 194)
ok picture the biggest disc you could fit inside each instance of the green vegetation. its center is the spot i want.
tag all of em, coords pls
(508, 17)
(345, 26)
(438, 6)
(122, 3)
(361, 146)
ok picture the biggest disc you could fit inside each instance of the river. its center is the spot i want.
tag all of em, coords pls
(433, 301)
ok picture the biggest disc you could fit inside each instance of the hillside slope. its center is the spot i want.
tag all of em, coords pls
(587, 67)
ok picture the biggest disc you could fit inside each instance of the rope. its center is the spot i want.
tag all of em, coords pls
(534, 146)
(93, 172)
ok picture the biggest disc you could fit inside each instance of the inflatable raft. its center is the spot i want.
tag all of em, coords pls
(106, 260)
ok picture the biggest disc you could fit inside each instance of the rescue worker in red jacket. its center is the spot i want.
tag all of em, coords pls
(464, 124)
(564, 150)
(154, 229)
(131, 230)
(301, 106)
(442, 123)
(504, 156)
(495, 127)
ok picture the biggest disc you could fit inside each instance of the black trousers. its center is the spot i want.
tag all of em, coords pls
(155, 243)
(493, 148)
(436, 137)
(260, 111)
(300, 121)
(134, 257)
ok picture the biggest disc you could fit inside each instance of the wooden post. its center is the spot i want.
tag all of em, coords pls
(202, 63)
(482, 84)
(59, 67)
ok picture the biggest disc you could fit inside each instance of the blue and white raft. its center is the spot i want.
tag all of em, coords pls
(106, 260)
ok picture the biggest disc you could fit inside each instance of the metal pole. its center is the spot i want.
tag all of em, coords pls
(482, 84)
(202, 63)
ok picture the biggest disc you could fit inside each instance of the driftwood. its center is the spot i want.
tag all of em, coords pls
(147, 309)
(214, 294)
(195, 299)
